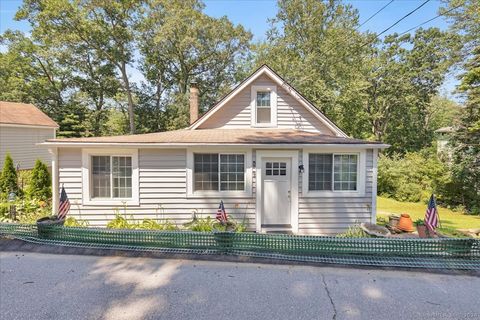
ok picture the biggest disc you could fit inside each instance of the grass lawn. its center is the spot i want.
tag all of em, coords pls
(448, 218)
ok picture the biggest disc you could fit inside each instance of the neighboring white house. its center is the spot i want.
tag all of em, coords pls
(22, 127)
(265, 150)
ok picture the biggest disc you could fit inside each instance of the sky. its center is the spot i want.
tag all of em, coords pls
(253, 15)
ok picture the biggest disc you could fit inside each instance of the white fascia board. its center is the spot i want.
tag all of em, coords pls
(176, 145)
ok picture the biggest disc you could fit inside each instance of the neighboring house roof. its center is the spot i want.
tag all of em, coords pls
(223, 137)
(24, 114)
(264, 69)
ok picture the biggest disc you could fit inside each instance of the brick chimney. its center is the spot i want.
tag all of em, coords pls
(193, 102)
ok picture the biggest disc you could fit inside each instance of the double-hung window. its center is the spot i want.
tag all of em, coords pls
(264, 106)
(111, 177)
(333, 172)
(219, 172)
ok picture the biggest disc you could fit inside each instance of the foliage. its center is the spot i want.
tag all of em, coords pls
(354, 232)
(40, 183)
(412, 178)
(8, 178)
(419, 222)
(72, 222)
(200, 224)
(121, 222)
(30, 210)
(466, 141)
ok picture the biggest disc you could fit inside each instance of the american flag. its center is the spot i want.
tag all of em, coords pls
(431, 216)
(221, 214)
(64, 205)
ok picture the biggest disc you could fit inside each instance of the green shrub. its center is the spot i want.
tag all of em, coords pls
(413, 177)
(120, 222)
(40, 183)
(8, 178)
(72, 222)
(354, 232)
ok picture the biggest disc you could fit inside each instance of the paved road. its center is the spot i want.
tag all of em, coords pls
(52, 286)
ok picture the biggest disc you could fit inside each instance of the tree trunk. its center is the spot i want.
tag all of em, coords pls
(126, 83)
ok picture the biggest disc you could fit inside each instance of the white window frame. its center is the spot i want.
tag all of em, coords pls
(247, 192)
(87, 198)
(273, 106)
(361, 174)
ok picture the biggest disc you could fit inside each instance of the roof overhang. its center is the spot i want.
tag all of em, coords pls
(186, 145)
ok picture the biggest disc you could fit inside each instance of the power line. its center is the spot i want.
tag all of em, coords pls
(373, 15)
(429, 20)
(396, 22)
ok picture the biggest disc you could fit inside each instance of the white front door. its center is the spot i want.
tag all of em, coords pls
(276, 193)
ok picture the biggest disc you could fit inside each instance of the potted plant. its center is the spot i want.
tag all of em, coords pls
(422, 229)
(47, 226)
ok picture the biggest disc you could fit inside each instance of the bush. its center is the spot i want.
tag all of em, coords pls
(8, 178)
(40, 183)
(413, 177)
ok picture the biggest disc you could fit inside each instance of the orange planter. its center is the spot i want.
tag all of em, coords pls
(405, 223)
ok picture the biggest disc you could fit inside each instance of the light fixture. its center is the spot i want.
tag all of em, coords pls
(301, 169)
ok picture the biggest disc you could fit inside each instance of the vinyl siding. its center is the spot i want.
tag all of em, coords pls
(21, 142)
(162, 179)
(163, 195)
(331, 215)
(290, 113)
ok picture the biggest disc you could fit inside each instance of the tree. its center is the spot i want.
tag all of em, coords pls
(179, 43)
(315, 46)
(104, 28)
(40, 184)
(8, 177)
(466, 141)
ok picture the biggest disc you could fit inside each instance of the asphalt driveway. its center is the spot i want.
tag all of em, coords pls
(53, 286)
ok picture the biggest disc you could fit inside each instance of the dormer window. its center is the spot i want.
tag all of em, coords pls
(264, 106)
(264, 109)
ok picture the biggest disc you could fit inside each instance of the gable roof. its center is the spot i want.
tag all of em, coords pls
(24, 114)
(264, 69)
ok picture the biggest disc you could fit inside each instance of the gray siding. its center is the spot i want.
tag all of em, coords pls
(290, 113)
(21, 142)
(162, 178)
(163, 195)
(331, 215)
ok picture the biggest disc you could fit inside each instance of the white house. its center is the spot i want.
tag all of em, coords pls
(22, 127)
(264, 149)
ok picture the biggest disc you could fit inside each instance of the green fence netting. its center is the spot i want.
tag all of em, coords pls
(448, 253)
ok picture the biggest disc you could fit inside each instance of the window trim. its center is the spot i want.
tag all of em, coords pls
(247, 192)
(361, 174)
(273, 106)
(87, 198)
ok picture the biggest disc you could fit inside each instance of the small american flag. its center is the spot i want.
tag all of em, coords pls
(221, 214)
(64, 205)
(431, 216)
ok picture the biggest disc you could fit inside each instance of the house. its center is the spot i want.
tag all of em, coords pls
(22, 127)
(443, 136)
(265, 150)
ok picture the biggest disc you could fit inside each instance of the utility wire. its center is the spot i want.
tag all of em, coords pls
(373, 15)
(396, 22)
(438, 16)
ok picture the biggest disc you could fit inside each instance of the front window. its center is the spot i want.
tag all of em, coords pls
(263, 104)
(332, 172)
(219, 172)
(111, 177)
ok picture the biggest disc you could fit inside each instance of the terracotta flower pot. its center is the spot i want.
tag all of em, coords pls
(405, 223)
(423, 231)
